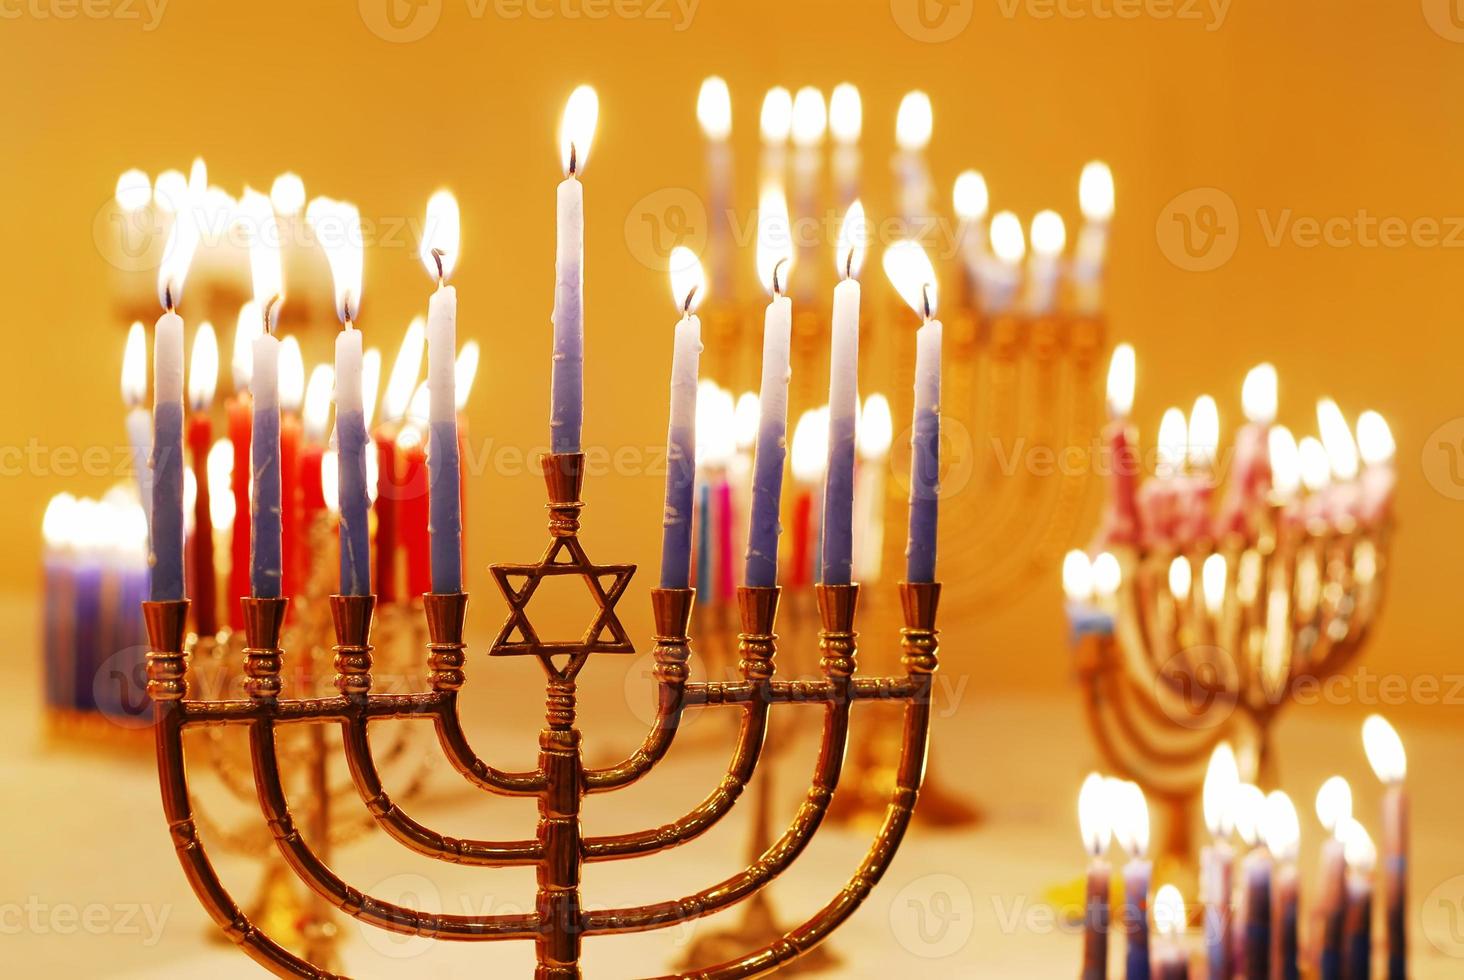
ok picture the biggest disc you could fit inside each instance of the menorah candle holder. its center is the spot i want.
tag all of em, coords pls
(1165, 679)
(559, 922)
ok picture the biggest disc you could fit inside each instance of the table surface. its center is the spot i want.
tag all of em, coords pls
(91, 886)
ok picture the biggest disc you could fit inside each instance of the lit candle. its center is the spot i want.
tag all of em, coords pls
(837, 552)
(1049, 237)
(1362, 858)
(909, 269)
(1375, 443)
(1217, 859)
(1390, 764)
(1282, 832)
(241, 416)
(220, 467)
(1084, 617)
(1343, 496)
(265, 565)
(1094, 821)
(139, 422)
(774, 258)
(913, 124)
(687, 288)
(567, 411)
(1250, 474)
(338, 225)
(876, 432)
(1254, 914)
(1285, 464)
(775, 122)
(440, 246)
(1198, 487)
(970, 199)
(167, 535)
(846, 124)
(1171, 960)
(810, 455)
(291, 379)
(1095, 199)
(1160, 498)
(810, 124)
(1003, 274)
(1121, 518)
(203, 378)
(1334, 811)
(714, 114)
(390, 495)
(1131, 827)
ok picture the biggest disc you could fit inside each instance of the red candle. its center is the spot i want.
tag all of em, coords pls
(241, 412)
(414, 510)
(798, 572)
(386, 513)
(312, 490)
(203, 379)
(290, 550)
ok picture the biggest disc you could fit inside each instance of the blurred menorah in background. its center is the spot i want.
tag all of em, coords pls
(1197, 624)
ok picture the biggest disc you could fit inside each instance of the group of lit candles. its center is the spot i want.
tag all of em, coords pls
(1249, 887)
(273, 439)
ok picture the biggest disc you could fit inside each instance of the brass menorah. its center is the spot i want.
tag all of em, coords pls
(1172, 675)
(559, 922)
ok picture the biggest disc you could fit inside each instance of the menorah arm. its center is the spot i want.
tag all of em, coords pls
(308, 866)
(455, 746)
(409, 832)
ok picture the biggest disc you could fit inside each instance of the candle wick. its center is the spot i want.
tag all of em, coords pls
(925, 299)
(168, 296)
(269, 318)
(686, 307)
(849, 265)
(437, 255)
(776, 290)
(573, 158)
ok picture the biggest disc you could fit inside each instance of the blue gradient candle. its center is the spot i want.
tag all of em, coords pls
(687, 286)
(352, 445)
(566, 410)
(167, 460)
(836, 551)
(440, 245)
(264, 553)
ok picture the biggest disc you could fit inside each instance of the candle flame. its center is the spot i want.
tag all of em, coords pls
(577, 128)
(1173, 442)
(853, 242)
(59, 519)
(1049, 235)
(441, 236)
(203, 368)
(330, 480)
(914, 122)
(220, 468)
(1280, 826)
(1222, 779)
(910, 272)
(1334, 805)
(876, 428)
(745, 419)
(404, 372)
(1095, 814)
(1169, 911)
(465, 372)
(1095, 191)
(370, 385)
(183, 240)
(774, 239)
(1077, 576)
(1131, 816)
(776, 119)
(1384, 749)
(714, 108)
(846, 114)
(1180, 578)
(1107, 575)
(170, 191)
(688, 279)
(291, 375)
(970, 197)
(1337, 440)
(810, 117)
(1007, 240)
(810, 445)
(1358, 847)
(1204, 432)
(337, 226)
(1212, 581)
(263, 234)
(1122, 372)
(133, 191)
(1285, 460)
(1258, 394)
(287, 194)
(1249, 807)
(318, 393)
(1316, 471)
(134, 366)
(246, 328)
(1374, 439)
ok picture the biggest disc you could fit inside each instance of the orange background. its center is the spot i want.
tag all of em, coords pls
(1307, 108)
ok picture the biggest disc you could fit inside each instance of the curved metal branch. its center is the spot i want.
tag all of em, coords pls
(455, 746)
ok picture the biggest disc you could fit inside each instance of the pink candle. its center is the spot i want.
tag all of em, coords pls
(1163, 498)
(1250, 470)
(1121, 518)
(1375, 443)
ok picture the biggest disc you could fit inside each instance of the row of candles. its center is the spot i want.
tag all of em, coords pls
(1252, 919)
(998, 275)
(905, 262)
(1337, 482)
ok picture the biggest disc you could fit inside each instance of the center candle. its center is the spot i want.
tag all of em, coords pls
(265, 568)
(445, 516)
(566, 416)
(836, 566)
(1217, 858)
(1334, 811)
(687, 287)
(203, 377)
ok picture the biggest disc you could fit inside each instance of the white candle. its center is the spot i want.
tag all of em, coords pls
(1003, 273)
(1049, 236)
(687, 286)
(846, 123)
(913, 124)
(445, 517)
(1095, 198)
(1390, 764)
(837, 553)
(714, 114)
(566, 418)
